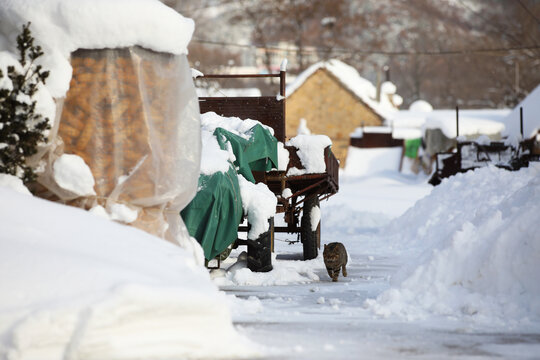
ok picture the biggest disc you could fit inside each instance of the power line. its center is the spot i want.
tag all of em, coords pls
(373, 51)
(529, 11)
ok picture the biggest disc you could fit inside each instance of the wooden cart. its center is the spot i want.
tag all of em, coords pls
(307, 190)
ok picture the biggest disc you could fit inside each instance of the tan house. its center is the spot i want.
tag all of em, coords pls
(335, 100)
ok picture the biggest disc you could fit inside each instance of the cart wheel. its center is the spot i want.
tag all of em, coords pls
(311, 240)
(260, 251)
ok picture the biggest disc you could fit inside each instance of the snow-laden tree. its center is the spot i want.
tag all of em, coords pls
(22, 129)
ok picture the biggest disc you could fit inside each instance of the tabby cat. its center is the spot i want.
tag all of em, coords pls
(335, 257)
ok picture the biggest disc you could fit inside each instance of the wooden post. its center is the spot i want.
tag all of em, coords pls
(521, 120)
(457, 122)
(282, 76)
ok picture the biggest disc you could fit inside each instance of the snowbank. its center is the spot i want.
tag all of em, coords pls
(531, 120)
(283, 273)
(14, 183)
(472, 250)
(75, 285)
(62, 26)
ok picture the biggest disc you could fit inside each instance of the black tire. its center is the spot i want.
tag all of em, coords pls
(260, 251)
(311, 240)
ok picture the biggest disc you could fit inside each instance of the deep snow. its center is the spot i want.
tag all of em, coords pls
(76, 286)
(445, 272)
(451, 277)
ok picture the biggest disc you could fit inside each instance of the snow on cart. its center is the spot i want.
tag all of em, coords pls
(270, 177)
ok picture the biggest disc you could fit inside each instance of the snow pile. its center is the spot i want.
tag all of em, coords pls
(231, 92)
(352, 80)
(210, 121)
(366, 161)
(14, 183)
(62, 26)
(284, 273)
(123, 213)
(303, 128)
(311, 153)
(213, 158)
(259, 203)
(420, 106)
(71, 173)
(471, 251)
(74, 285)
(531, 118)
(389, 98)
(315, 216)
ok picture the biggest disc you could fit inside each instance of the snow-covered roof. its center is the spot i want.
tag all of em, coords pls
(359, 86)
(531, 116)
(360, 131)
(63, 26)
(408, 123)
(231, 92)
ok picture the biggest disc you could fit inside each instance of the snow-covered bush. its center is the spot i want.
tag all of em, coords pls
(22, 129)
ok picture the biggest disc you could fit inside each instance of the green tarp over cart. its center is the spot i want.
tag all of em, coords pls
(215, 213)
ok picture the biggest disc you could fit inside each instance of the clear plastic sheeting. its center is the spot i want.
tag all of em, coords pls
(132, 114)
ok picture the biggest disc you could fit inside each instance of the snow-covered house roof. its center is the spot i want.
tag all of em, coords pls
(362, 88)
(531, 116)
(63, 26)
(411, 123)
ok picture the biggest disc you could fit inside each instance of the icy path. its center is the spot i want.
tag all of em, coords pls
(312, 318)
(294, 322)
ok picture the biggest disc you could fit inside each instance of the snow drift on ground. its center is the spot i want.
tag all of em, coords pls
(76, 286)
(471, 249)
(366, 161)
(62, 26)
(531, 118)
(284, 273)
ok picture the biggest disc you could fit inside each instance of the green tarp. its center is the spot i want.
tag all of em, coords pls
(212, 217)
(214, 214)
(411, 147)
(257, 153)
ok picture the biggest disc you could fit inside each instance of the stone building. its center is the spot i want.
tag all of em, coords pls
(335, 100)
